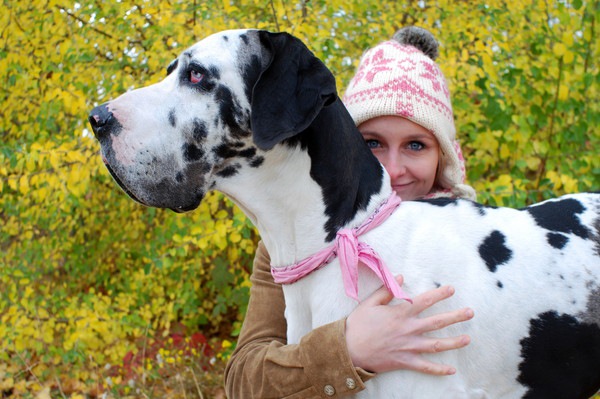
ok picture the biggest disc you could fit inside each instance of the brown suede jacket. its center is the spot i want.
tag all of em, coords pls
(264, 366)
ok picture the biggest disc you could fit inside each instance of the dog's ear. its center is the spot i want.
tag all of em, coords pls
(291, 91)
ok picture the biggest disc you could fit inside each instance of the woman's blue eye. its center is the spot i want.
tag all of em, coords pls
(415, 146)
(372, 143)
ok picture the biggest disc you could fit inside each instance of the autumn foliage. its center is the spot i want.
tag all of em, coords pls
(101, 296)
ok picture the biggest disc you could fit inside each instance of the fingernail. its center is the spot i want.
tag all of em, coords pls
(451, 371)
(469, 313)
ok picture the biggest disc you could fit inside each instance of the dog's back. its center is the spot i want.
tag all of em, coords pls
(532, 277)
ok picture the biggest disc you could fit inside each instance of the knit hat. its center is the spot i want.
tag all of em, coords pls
(400, 77)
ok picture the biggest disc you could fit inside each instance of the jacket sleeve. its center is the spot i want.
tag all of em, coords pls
(264, 366)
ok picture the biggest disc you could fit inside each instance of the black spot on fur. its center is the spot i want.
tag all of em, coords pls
(499, 284)
(192, 153)
(560, 216)
(248, 152)
(560, 358)
(172, 118)
(172, 66)
(557, 240)
(179, 177)
(226, 38)
(440, 201)
(199, 131)
(596, 236)
(494, 251)
(228, 171)
(225, 151)
(229, 110)
(239, 132)
(257, 161)
(214, 72)
(481, 208)
(205, 167)
(244, 38)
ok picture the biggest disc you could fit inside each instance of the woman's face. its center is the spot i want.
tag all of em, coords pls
(408, 151)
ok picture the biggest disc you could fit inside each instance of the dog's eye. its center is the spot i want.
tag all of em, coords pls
(196, 77)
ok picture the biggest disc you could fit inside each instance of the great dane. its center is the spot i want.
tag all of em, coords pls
(256, 116)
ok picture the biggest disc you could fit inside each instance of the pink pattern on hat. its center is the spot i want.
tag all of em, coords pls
(461, 160)
(402, 84)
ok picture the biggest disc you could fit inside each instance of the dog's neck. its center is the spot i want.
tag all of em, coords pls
(310, 186)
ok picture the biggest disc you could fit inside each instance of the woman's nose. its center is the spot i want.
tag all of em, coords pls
(395, 166)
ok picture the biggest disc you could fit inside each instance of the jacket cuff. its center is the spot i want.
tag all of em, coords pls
(327, 363)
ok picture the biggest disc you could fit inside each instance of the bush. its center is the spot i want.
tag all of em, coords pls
(90, 279)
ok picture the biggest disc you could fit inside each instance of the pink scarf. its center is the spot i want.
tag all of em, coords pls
(351, 253)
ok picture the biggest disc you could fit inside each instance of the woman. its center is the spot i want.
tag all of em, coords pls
(400, 103)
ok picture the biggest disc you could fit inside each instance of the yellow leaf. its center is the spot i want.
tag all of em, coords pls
(7, 384)
(559, 49)
(504, 151)
(504, 180)
(554, 178)
(563, 92)
(570, 184)
(30, 164)
(23, 185)
(235, 237)
(44, 394)
(12, 183)
(464, 54)
(567, 38)
(569, 57)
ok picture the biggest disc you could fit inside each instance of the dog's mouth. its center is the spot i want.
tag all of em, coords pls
(120, 183)
(184, 209)
(179, 209)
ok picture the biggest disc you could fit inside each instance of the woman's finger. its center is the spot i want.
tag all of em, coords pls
(443, 320)
(420, 364)
(430, 298)
(436, 345)
(382, 296)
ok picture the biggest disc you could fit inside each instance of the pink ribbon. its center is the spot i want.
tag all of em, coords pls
(351, 252)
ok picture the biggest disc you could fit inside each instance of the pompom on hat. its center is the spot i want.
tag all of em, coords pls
(400, 77)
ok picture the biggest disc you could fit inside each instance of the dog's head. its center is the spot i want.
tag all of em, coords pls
(225, 102)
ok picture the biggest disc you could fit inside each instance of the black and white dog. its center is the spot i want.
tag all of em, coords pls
(256, 116)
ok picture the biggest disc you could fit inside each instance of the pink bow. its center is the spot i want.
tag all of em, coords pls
(351, 252)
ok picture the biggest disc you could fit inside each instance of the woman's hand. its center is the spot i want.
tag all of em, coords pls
(382, 337)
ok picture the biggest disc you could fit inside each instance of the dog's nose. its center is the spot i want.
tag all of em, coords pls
(102, 121)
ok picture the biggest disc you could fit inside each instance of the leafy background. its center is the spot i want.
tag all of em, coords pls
(101, 297)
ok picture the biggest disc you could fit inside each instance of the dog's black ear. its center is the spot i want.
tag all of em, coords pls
(290, 92)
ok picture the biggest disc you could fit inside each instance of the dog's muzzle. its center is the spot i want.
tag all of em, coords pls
(103, 124)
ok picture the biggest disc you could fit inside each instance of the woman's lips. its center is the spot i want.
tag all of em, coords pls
(399, 186)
